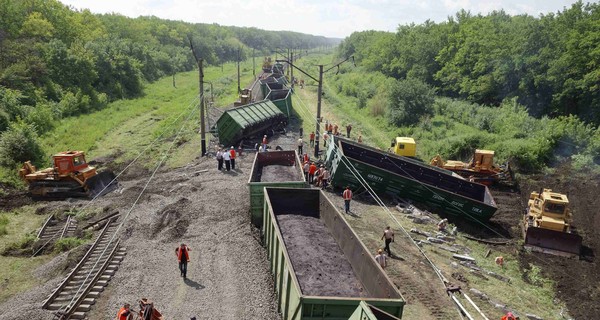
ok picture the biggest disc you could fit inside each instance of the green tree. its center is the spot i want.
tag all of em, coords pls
(19, 144)
(408, 101)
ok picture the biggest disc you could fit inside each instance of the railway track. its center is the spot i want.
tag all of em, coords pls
(54, 229)
(79, 290)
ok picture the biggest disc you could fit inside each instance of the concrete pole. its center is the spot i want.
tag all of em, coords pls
(319, 93)
(292, 70)
(202, 125)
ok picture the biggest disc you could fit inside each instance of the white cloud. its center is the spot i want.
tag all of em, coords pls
(333, 18)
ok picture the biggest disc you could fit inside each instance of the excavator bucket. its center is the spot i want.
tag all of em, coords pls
(101, 184)
(553, 242)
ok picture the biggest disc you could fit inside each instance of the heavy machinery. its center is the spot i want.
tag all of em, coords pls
(480, 169)
(267, 65)
(70, 176)
(547, 224)
(245, 98)
(404, 146)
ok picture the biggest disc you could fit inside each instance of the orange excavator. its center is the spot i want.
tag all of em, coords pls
(69, 177)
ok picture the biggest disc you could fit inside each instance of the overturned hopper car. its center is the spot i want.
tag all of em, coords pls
(272, 169)
(321, 269)
(248, 121)
(408, 178)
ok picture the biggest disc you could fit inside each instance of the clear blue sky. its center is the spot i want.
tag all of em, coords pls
(331, 18)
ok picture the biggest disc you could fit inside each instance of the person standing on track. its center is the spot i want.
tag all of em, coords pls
(381, 259)
(227, 159)
(232, 155)
(264, 143)
(347, 195)
(183, 257)
(300, 144)
(125, 313)
(388, 234)
(220, 159)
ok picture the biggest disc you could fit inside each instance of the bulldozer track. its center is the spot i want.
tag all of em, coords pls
(79, 290)
(54, 229)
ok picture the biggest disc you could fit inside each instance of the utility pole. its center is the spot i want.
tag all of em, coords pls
(319, 94)
(201, 88)
(202, 125)
(253, 65)
(292, 70)
(238, 71)
(289, 59)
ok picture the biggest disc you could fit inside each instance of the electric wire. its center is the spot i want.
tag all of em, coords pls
(166, 154)
(192, 104)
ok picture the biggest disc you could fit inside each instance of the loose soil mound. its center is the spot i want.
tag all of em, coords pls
(319, 263)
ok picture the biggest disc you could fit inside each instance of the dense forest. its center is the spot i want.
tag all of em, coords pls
(551, 63)
(57, 62)
(527, 87)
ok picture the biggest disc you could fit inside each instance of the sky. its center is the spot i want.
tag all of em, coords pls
(330, 18)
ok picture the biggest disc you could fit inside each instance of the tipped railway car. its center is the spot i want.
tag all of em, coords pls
(407, 178)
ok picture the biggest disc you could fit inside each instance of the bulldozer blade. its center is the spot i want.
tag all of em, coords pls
(553, 242)
(101, 184)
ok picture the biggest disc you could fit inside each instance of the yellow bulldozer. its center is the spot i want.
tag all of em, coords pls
(267, 65)
(547, 224)
(480, 169)
(70, 176)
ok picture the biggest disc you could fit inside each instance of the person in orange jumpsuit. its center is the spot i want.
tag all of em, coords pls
(311, 172)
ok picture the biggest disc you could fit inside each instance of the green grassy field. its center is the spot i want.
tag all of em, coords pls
(17, 273)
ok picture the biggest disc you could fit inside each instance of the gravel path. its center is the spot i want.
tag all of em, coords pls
(228, 275)
(319, 263)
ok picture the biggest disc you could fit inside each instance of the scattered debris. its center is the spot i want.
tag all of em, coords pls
(462, 257)
(423, 233)
(533, 316)
(453, 250)
(479, 294)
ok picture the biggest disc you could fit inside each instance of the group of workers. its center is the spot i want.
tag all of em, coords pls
(226, 157)
(318, 176)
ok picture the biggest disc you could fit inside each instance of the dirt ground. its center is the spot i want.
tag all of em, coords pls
(228, 275)
(320, 265)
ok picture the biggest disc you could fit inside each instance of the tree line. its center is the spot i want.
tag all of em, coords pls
(56, 61)
(550, 64)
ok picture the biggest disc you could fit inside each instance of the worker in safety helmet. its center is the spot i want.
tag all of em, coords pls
(509, 316)
(183, 257)
(125, 313)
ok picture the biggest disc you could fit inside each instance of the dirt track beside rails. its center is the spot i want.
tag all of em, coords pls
(319, 263)
(228, 275)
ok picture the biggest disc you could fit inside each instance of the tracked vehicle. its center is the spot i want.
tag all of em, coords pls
(547, 224)
(69, 177)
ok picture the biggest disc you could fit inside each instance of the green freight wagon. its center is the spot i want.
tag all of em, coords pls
(247, 121)
(272, 169)
(270, 83)
(282, 98)
(320, 268)
(408, 178)
(365, 311)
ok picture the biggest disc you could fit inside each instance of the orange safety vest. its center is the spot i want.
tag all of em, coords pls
(264, 141)
(347, 195)
(508, 318)
(312, 169)
(180, 252)
(123, 314)
(312, 136)
(306, 157)
(232, 154)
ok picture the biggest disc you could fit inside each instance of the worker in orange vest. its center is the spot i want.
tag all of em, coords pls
(183, 257)
(125, 313)
(347, 195)
(232, 157)
(264, 143)
(311, 172)
(509, 316)
(311, 137)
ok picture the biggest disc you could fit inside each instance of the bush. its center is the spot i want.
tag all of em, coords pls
(409, 100)
(66, 244)
(42, 118)
(19, 144)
